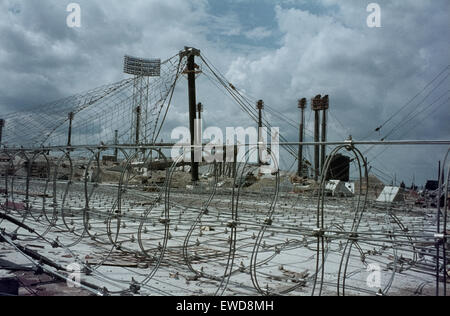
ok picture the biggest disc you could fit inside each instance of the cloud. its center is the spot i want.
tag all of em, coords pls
(368, 73)
(258, 33)
(325, 47)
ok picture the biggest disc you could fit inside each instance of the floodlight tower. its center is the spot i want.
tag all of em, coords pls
(142, 70)
(2, 124)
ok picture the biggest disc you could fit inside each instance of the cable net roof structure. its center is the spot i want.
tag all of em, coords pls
(97, 113)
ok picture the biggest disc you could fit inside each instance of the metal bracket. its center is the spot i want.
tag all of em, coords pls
(318, 232)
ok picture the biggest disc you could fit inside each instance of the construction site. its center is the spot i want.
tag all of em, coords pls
(93, 202)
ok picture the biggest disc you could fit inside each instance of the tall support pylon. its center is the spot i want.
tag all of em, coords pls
(302, 107)
(191, 70)
(316, 107)
(325, 107)
(260, 108)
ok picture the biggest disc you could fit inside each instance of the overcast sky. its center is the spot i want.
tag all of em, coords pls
(278, 51)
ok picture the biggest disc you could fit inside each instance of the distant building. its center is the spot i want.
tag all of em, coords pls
(39, 169)
(432, 185)
(110, 159)
(339, 169)
(5, 165)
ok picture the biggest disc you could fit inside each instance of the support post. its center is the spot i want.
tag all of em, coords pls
(316, 105)
(138, 125)
(191, 72)
(438, 227)
(260, 107)
(69, 140)
(116, 143)
(325, 107)
(2, 124)
(224, 161)
(235, 155)
(301, 106)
